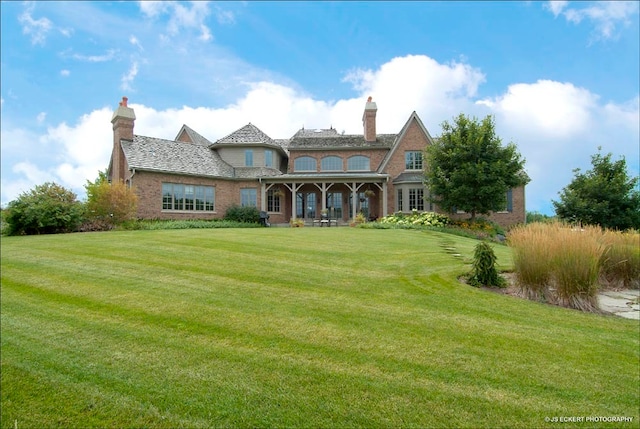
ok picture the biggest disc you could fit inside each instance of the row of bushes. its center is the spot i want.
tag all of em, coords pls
(560, 264)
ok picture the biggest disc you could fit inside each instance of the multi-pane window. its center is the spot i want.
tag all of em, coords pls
(248, 197)
(268, 158)
(248, 158)
(416, 199)
(358, 163)
(331, 163)
(509, 205)
(273, 201)
(413, 160)
(177, 196)
(400, 192)
(305, 163)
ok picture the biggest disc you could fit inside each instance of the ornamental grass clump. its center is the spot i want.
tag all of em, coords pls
(576, 254)
(531, 250)
(620, 263)
(559, 264)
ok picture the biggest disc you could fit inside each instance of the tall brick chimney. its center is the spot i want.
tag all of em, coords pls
(122, 120)
(369, 120)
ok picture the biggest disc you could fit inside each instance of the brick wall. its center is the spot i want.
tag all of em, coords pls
(148, 187)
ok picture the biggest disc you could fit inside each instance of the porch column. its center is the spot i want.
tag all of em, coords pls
(354, 199)
(293, 200)
(263, 197)
(384, 199)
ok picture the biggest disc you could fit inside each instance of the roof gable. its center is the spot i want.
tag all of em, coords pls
(187, 134)
(412, 118)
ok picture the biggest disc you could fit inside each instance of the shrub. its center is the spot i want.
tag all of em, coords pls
(108, 204)
(416, 218)
(47, 209)
(247, 214)
(484, 271)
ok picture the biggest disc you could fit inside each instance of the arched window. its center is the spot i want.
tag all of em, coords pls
(331, 163)
(305, 163)
(358, 163)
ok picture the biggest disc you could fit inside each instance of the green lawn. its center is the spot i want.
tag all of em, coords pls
(293, 327)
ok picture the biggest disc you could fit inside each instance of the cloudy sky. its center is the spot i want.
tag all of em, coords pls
(560, 78)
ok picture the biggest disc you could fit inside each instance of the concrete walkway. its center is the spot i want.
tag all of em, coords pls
(623, 303)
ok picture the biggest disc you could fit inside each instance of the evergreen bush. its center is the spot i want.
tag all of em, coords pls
(484, 271)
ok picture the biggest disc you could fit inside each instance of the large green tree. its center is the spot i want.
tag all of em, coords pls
(604, 195)
(469, 169)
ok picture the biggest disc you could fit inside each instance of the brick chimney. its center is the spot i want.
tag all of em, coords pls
(369, 120)
(122, 120)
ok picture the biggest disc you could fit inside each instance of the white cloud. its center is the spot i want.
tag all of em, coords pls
(546, 107)
(135, 42)
(36, 28)
(41, 117)
(65, 73)
(108, 56)
(605, 16)
(184, 16)
(127, 78)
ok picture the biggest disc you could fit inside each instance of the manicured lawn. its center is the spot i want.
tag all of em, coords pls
(281, 327)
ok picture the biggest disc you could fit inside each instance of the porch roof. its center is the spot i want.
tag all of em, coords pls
(327, 177)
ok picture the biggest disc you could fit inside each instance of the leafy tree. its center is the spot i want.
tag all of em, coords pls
(109, 203)
(604, 196)
(47, 209)
(468, 168)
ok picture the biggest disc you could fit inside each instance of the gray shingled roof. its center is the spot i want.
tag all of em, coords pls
(149, 153)
(409, 178)
(325, 139)
(255, 172)
(249, 134)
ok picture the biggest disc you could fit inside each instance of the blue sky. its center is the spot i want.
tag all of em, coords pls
(561, 78)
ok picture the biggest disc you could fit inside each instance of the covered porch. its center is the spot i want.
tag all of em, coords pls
(310, 196)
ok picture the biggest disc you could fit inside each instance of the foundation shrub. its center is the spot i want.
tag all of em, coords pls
(416, 218)
(248, 214)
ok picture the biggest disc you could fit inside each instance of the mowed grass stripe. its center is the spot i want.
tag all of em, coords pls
(255, 328)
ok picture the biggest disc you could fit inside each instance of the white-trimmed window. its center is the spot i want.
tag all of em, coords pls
(273, 201)
(180, 197)
(305, 163)
(358, 163)
(331, 163)
(249, 197)
(268, 158)
(413, 160)
(416, 199)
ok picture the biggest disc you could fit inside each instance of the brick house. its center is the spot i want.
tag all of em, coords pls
(313, 172)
